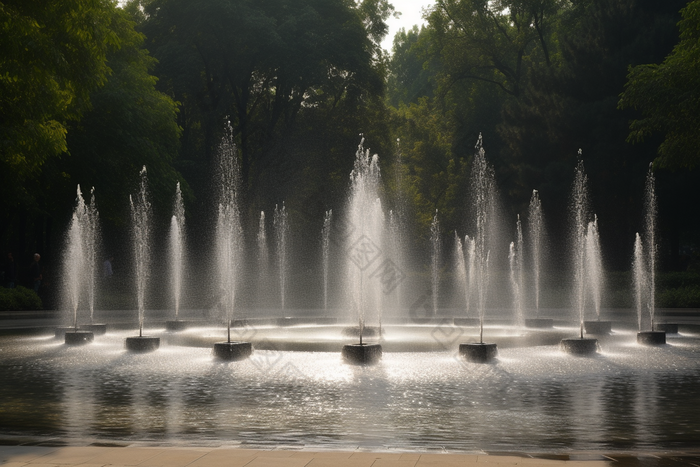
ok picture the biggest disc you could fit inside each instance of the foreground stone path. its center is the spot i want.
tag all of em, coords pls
(92, 456)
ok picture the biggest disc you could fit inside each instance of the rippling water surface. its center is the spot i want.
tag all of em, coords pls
(531, 399)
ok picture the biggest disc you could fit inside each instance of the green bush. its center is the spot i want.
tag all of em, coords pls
(681, 297)
(19, 299)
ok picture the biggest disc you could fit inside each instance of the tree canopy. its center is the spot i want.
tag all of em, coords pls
(668, 96)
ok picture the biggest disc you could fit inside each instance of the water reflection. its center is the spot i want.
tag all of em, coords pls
(532, 398)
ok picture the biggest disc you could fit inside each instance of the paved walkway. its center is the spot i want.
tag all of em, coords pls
(93, 456)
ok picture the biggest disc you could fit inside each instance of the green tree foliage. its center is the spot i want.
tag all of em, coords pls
(668, 96)
(540, 79)
(262, 65)
(574, 105)
(52, 56)
(130, 125)
(408, 78)
(496, 42)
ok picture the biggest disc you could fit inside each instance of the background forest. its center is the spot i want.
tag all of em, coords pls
(90, 91)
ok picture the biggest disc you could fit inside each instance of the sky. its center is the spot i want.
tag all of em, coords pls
(411, 14)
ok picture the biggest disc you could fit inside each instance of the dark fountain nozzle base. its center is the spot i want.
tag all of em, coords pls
(142, 344)
(79, 337)
(479, 352)
(539, 323)
(233, 351)
(362, 353)
(97, 328)
(651, 337)
(597, 328)
(579, 346)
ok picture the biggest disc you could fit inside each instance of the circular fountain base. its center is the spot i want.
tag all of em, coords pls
(466, 321)
(668, 328)
(578, 346)
(362, 353)
(233, 351)
(367, 331)
(142, 343)
(651, 337)
(598, 328)
(539, 323)
(177, 325)
(79, 337)
(479, 352)
(97, 329)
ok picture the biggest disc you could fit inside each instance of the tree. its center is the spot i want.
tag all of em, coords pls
(668, 97)
(130, 124)
(496, 42)
(52, 56)
(260, 64)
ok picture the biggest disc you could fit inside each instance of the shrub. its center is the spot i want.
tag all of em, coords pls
(19, 299)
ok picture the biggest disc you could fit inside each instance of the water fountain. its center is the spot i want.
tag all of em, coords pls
(75, 270)
(580, 214)
(91, 234)
(536, 230)
(483, 186)
(141, 238)
(435, 261)
(177, 260)
(364, 215)
(280, 220)
(464, 274)
(229, 244)
(653, 336)
(595, 280)
(263, 257)
(535, 400)
(325, 245)
(517, 278)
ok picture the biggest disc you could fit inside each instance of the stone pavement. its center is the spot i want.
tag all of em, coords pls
(94, 456)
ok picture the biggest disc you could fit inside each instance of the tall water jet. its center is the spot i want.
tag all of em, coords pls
(281, 224)
(464, 272)
(229, 242)
(365, 220)
(397, 225)
(483, 185)
(594, 275)
(396, 243)
(517, 278)
(263, 257)
(177, 258)
(640, 279)
(650, 207)
(141, 237)
(91, 235)
(325, 245)
(435, 261)
(654, 336)
(536, 237)
(74, 272)
(579, 217)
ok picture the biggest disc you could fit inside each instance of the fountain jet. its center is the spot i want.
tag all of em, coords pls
(366, 221)
(483, 185)
(580, 215)
(229, 243)
(141, 236)
(655, 336)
